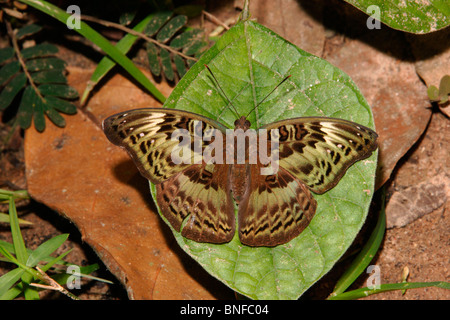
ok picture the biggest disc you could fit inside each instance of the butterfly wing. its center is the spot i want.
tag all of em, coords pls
(275, 209)
(318, 151)
(148, 136)
(194, 198)
(198, 201)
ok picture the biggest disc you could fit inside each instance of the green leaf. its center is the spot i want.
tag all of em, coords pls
(39, 50)
(46, 249)
(6, 54)
(55, 117)
(28, 30)
(5, 218)
(179, 64)
(185, 38)
(366, 255)
(45, 64)
(415, 16)
(170, 28)
(19, 245)
(49, 76)
(166, 64)
(194, 47)
(444, 88)
(38, 115)
(8, 280)
(58, 90)
(364, 292)
(11, 90)
(26, 107)
(61, 105)
(153, 61)
(62, 278)
(32, 106)
(433, 93)
(249, 61)
(159, 19)
(127, 17)
(100, 41)
(8, 70)
(106, 64)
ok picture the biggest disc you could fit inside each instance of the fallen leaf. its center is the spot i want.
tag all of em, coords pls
(299, 23)
(390, 85)
(79, 173)
(414, 202)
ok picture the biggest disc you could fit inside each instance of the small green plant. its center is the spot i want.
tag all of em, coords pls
(361, 262)
(32, 266)
(36, 77)
(441, 95)
(171, 46)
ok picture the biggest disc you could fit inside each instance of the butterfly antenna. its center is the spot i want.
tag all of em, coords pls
(218, 84)
(259, 103)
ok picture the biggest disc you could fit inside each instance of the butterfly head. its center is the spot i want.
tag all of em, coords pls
(242, 123)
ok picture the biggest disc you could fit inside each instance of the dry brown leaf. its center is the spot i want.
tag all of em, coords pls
(391, 87)
(293, 20)
(79, 173)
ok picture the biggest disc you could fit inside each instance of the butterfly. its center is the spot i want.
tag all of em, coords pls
(197, 197)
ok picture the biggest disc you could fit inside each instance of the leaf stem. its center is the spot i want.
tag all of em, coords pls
(12, 35)
(215, 20)
(135, 33)
(364, 292)
(53, 285)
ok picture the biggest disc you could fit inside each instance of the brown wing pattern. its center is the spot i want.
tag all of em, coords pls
(147, 136)
(318, 151)
(198, 202)
(275, 209)
(194, 198)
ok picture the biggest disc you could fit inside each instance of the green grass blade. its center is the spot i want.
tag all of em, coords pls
(19, 245)
(8, 279)
(366, 255)
(364, 292)
(100, 41)
(45, 249)
(5, 218)
(55, 261)
(106, 64)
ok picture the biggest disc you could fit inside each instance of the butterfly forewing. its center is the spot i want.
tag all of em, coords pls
(148, 136)
(318, 151)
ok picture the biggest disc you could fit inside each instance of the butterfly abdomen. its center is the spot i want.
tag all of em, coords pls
(239, 180)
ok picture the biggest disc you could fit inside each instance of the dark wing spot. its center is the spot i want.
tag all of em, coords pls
(143, 147)
(298, 147)
(284, 134)
(337, 159)
(306, 169)
(318, 136)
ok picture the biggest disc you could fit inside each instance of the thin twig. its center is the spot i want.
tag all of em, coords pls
(53, 285)
(215, 20)
(135, 33)
(12, 35)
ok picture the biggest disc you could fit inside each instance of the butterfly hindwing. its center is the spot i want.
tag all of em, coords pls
(275, 209)
(198, 202)
(318, 151)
